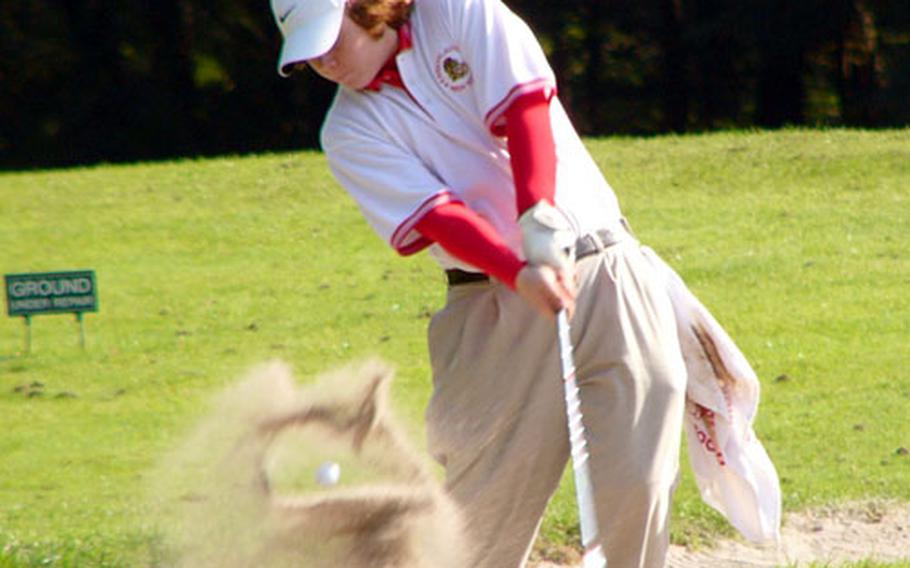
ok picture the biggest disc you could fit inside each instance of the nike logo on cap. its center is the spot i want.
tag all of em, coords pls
(284, 16)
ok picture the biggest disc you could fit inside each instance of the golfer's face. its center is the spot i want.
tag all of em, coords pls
(356, 57)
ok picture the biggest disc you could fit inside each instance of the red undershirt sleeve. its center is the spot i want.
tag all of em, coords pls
(470, 238)
(532, 149)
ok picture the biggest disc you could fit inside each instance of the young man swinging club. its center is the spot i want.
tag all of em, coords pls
(447, 131)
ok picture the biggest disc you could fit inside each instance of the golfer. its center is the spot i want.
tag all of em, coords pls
(448, 132)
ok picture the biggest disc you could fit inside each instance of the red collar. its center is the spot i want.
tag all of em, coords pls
(388, 74)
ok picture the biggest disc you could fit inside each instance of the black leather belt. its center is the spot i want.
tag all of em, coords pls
(586, 245)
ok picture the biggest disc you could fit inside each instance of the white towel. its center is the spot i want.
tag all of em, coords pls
(732, 469)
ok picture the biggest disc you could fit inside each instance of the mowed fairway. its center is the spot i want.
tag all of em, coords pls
(796, 240)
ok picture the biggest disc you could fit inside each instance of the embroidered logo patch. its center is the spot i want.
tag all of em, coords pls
(452, 70)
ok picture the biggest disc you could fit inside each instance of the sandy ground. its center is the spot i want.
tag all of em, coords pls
(859, 531)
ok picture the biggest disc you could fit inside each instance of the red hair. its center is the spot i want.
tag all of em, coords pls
(372, 14)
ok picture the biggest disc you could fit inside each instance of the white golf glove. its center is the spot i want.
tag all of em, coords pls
(547, 237)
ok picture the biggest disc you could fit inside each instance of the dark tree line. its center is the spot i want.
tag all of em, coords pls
(83, 81)
(683, 65)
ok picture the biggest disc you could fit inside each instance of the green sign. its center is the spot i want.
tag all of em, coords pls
(51, 293)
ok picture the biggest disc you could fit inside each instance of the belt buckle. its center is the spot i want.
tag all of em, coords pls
(587, 244)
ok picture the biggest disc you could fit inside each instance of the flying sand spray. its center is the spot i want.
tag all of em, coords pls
(224, 496)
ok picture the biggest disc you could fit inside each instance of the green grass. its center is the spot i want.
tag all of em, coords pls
(796, 240)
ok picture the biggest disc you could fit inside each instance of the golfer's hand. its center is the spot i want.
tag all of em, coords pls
(546, 289)
(547, 238)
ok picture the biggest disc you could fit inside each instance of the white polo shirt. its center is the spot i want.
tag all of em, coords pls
(402, 153)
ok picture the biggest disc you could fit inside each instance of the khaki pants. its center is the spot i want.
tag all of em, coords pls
(497, 421)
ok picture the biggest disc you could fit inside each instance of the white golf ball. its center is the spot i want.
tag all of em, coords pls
(328, 473)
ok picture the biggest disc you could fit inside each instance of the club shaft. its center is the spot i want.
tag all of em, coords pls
(584, 493)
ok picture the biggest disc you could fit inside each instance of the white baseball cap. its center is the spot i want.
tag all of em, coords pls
(309, 28)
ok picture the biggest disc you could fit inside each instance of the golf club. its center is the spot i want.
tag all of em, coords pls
(593, 553)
